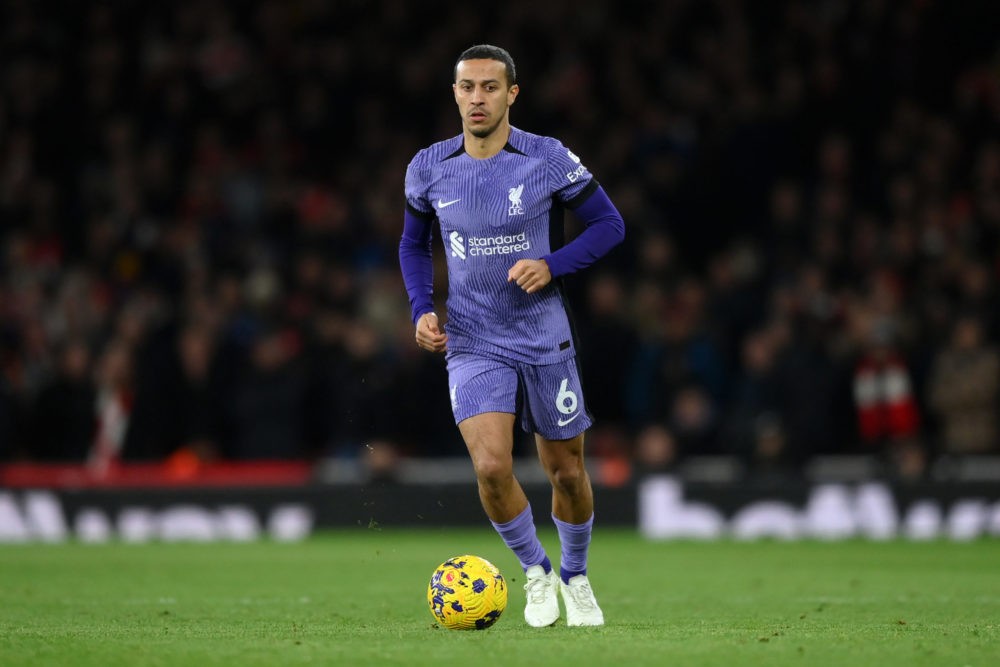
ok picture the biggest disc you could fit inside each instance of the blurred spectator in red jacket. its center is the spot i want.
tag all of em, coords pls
(885, 404)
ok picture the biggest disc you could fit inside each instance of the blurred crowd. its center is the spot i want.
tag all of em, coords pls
(201, 202)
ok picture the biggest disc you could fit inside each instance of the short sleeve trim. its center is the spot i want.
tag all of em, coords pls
(582, 196)
(423, 215)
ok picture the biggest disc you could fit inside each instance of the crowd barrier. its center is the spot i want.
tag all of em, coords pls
(291, 501)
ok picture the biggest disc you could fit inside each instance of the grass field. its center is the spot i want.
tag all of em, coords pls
(358, 598)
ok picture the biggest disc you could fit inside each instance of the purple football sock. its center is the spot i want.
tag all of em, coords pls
(519, 535)
(575, 541)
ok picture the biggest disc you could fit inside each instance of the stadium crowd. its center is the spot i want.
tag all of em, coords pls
(201, 201)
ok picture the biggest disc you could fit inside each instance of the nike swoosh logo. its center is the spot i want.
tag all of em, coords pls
(563, 422)
(444, 204)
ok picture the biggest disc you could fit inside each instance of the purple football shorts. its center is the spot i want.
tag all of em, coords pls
(548, 398)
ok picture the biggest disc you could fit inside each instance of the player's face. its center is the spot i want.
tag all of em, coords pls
(482, 95)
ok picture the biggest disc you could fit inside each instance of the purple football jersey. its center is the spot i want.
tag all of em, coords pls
(492, 213)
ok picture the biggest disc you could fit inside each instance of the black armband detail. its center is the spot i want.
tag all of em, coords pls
(584, 194)
(423, 215)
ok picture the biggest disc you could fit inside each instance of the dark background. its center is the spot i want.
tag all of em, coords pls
(200, 205)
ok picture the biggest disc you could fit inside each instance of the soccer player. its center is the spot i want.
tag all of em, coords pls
(497, 194)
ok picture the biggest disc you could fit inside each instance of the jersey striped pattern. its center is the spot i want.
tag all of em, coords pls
(491, 213)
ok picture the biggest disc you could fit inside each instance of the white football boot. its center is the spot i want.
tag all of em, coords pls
(581, 605)
(541, 590)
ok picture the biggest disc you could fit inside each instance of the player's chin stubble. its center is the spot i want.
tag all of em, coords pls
(483, 132)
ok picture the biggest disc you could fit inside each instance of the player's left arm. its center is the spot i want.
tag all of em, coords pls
(604, 229)
(572, 184)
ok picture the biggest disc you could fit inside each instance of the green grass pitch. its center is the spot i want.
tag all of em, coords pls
(358, 598)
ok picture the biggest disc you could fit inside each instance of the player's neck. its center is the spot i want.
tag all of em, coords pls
(488, 146)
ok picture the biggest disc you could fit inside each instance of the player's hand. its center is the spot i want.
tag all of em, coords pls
(530, 275)
(429, 334)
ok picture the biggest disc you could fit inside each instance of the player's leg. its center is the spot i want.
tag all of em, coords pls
(489, 438)
(484, 400)
(572, 493)
(573, 514)
(559, 418)
(572, 500)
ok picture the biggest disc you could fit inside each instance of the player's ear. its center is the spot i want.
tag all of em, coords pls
(512, 94)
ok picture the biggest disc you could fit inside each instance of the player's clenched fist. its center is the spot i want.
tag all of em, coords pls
(429, 334)
(530, 275)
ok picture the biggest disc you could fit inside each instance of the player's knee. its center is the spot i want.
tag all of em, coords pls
(494, 470)
(570, 478)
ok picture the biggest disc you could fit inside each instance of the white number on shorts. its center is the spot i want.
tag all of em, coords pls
(565, 399)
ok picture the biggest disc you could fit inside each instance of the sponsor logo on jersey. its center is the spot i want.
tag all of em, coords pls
(457, 245)
(498, 245)
(485, 246)
(574, 176)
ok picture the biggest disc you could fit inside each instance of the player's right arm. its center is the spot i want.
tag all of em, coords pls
(429, 335)
(416, 259)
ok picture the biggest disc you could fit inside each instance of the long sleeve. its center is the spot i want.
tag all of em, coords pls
(604, 229)
(416, 263)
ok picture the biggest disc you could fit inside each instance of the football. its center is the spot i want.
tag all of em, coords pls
(467, 593)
